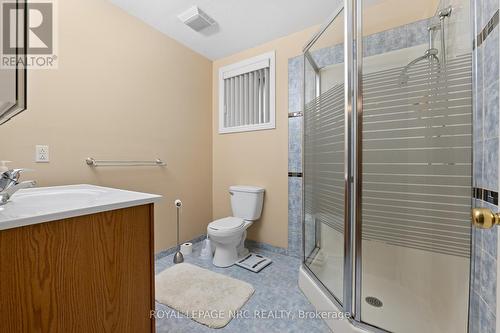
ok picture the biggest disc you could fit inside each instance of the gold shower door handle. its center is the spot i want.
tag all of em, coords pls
(484, 218)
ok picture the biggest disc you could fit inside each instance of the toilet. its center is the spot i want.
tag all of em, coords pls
(227, 235)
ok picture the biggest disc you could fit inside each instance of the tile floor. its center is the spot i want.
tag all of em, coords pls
(276, 290)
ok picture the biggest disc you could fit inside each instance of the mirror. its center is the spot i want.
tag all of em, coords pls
(13, 59)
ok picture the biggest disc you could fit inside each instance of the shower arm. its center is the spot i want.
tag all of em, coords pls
(443, 14)
(431, 41)
(431, 29)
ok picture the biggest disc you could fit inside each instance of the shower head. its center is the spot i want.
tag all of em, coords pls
(445, 12)
(430, 54)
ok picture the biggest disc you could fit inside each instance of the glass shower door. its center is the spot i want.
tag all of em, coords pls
(387, 163)
(415, 138)
(325, 157)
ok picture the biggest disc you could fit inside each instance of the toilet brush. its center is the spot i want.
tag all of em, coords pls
(178, 257)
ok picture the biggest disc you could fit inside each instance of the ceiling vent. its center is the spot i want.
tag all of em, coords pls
(196, 19)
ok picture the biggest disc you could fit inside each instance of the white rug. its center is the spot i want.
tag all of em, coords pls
(209, 298)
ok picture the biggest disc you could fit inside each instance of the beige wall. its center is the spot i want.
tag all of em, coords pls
(122, 91)
(260, 157)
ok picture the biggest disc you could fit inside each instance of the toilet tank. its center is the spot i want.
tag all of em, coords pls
(246, 202)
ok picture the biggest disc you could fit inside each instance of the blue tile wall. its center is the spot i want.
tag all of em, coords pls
(478, 160)
(490, 84)
(487, 320)
(486, 9)
(385, 41)
(295, 105)
(416, 33)
(295, 216)
(478, 121)
(295, 144)
(483, 292)
(486, 144)
(389, 40)
(484, 277)
(295, 87)
(474, 312)
(329, 55)
(490, 166)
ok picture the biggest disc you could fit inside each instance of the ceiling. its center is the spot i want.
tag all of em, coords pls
(241, 24)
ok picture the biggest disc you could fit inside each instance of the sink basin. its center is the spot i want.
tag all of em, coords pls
(37, 205)
(41, 199)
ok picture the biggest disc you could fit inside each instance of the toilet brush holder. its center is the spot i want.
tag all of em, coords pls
(206, 251)
(178, 257)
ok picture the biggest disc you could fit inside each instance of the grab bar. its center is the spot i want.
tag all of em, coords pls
(92, 162)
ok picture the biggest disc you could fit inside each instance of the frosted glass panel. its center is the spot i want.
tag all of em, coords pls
(416, 170)
(324, 160)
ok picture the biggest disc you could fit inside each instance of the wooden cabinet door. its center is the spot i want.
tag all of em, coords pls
(90, 273)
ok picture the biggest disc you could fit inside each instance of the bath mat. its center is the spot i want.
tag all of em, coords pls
(209, 298)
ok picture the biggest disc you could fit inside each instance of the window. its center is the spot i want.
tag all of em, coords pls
(246, 95)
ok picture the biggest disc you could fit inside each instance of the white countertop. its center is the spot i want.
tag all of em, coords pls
(44, 204)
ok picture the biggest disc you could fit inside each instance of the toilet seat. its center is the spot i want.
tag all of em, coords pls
(227, 226)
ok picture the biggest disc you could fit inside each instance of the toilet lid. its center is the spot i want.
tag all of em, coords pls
(227, 223)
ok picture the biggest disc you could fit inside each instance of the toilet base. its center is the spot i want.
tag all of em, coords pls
(228, 254)
(225, 255)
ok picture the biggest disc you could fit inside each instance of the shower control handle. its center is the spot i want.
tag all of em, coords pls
(484, 218)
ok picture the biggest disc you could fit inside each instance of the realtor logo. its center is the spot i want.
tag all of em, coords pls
(34, 39)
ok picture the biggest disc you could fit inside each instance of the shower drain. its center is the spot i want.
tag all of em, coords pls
(374, 301)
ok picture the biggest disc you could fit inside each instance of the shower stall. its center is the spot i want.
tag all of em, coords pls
(387, 164)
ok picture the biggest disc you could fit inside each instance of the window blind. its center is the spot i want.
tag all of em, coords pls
(246, 95)
(247, 99)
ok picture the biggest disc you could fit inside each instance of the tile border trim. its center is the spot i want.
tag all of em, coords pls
(295, 174)
(295, 114)
(485, 195)
(488, 28)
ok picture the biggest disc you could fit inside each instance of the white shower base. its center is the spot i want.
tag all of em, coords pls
(421, 291)
(323, 304)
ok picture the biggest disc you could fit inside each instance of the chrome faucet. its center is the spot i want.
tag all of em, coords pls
(9, 184)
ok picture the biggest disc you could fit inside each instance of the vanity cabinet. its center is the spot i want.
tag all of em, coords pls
(91, 273)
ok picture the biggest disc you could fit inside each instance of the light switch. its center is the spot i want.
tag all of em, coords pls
(42, 154)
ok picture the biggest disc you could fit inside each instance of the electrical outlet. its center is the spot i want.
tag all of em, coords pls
(42, 154)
